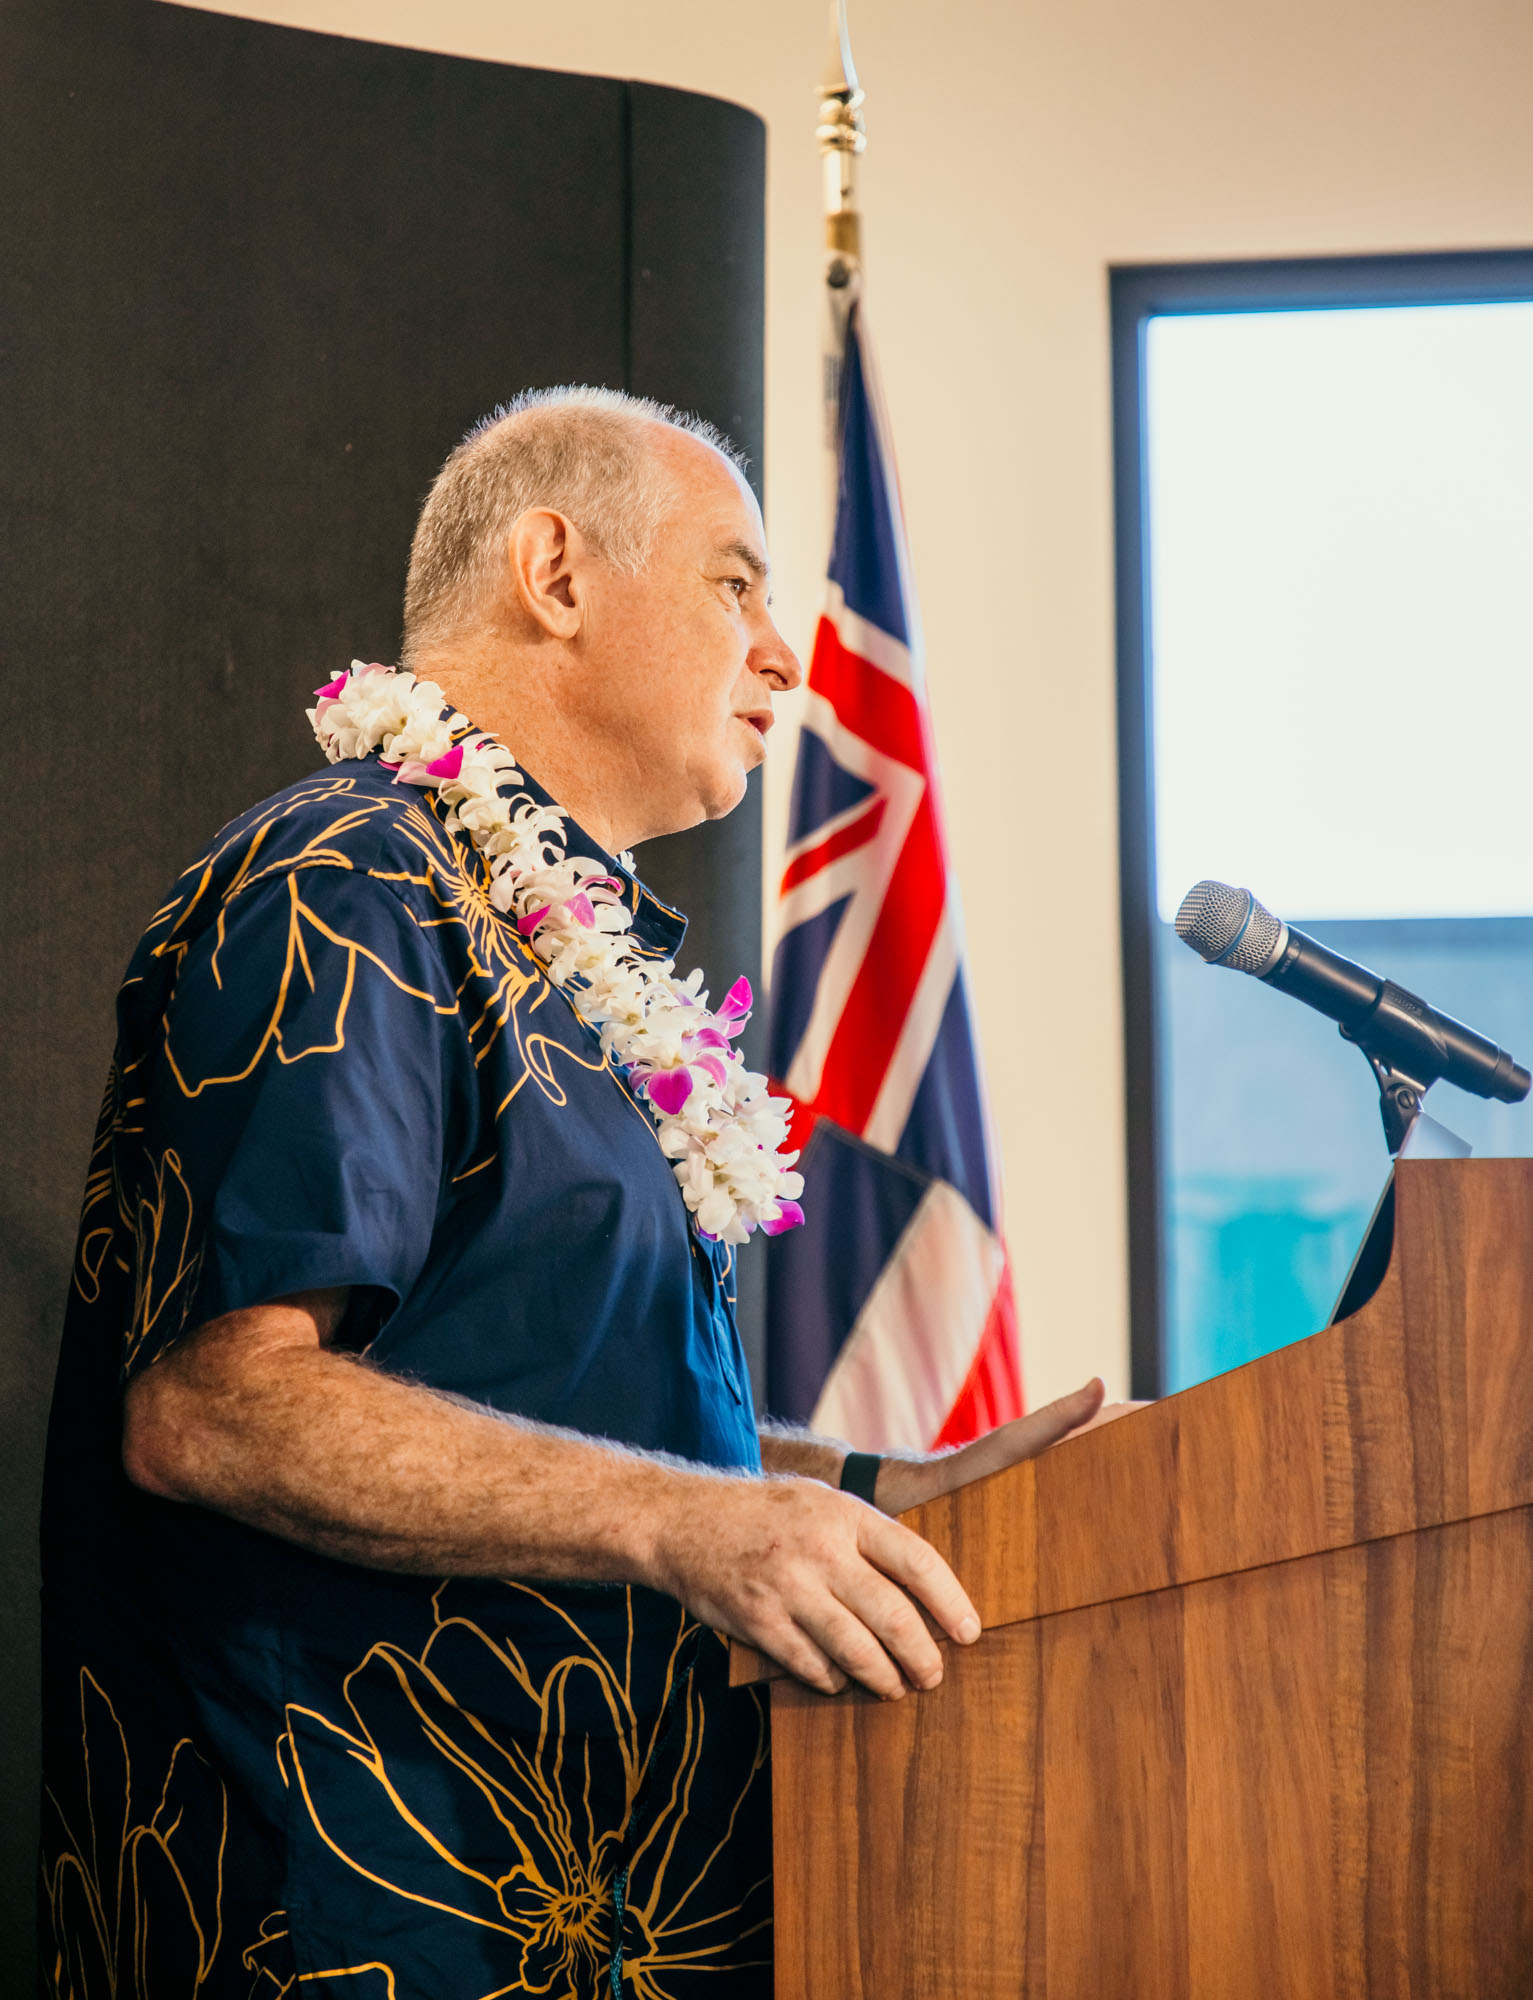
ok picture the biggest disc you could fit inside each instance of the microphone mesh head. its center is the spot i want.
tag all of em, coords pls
(1213, 916)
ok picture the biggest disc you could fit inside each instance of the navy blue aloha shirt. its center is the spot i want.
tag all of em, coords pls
(338, 1065)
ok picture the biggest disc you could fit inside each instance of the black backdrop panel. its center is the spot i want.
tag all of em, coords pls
(253, 285)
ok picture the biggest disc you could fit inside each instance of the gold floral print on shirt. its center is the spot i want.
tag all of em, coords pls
(515, 1828)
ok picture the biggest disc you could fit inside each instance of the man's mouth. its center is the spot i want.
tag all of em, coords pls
(760, 719)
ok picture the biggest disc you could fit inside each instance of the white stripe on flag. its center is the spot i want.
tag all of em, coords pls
(907, 1358)
(827, 830)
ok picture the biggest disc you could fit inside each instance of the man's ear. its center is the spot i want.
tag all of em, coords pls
(546, 556)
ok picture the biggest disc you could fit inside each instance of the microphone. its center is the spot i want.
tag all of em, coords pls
(1393, 1028)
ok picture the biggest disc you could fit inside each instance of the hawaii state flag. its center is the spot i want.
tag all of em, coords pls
(890, 1319)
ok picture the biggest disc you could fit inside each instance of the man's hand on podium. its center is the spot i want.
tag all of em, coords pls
(818, 1580)
(909, 1482)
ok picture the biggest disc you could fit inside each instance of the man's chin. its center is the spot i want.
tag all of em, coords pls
(730, 797)
(714, 800)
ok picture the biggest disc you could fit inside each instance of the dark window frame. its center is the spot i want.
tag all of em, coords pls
(1138, 293)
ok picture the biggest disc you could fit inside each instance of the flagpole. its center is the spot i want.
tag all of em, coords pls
(843, 139)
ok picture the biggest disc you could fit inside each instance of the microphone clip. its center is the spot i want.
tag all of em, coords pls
(1407, 1127)
(1399, 1099)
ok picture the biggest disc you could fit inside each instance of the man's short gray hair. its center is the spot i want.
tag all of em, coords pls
(588, 453)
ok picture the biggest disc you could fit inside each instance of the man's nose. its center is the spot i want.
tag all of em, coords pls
(775, 660)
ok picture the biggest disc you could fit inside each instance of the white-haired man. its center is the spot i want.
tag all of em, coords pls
(403, 1472)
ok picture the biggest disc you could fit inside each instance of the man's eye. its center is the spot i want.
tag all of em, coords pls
(738, 584)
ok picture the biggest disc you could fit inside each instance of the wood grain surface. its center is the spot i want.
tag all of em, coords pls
(1114, 1802)
(942, 1796)
(1252, 1714)
(1311, 1780)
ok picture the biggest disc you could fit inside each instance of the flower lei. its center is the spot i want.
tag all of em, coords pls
(716, 1121)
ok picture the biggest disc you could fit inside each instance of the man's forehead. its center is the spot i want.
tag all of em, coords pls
(716, 501)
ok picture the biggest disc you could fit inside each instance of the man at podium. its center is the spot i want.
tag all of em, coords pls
(403, 1471)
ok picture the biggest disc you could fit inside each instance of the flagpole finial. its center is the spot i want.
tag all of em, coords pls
(842, 136)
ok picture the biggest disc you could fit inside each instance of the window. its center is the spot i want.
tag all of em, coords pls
(1325, 574)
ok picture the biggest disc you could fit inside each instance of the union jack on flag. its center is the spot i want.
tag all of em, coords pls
(890, 1318)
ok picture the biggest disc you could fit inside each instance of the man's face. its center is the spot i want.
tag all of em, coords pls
(682, 661)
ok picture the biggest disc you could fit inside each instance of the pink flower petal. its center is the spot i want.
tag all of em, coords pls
(530, 922)
(710, 1038)
(334, 689)
(737, 1001)
(714, 1068)
(669, 1089)
(449, 764)
(580, 909)
(412, 772)
(789, 1216)
(385, 765)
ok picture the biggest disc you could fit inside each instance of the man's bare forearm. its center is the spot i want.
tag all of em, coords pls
(315, 1446)
(785, 1448)
(257, 1417)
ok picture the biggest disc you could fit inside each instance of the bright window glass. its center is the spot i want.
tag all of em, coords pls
(1341, 537)
(1340, 544)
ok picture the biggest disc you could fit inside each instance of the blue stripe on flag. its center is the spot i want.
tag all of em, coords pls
(822, 788)
(945, 1132)
(795, 973)
(865, 557)
(857, 1206)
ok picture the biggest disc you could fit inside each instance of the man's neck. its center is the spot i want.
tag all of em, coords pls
(511, 699)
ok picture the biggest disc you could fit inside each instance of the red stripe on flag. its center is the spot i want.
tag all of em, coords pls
(845, 840)
(873, 1019)
(802, 1118)
(869, 702)
(992, 1393)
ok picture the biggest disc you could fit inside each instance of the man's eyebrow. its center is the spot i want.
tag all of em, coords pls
(743, 552)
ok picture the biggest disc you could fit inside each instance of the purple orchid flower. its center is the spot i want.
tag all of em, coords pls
(738, 1001)
(669, 1089)
(789, 1216)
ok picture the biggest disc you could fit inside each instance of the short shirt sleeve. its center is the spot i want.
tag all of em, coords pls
(301, 1115)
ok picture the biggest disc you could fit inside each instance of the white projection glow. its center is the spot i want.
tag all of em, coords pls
(1341, 569)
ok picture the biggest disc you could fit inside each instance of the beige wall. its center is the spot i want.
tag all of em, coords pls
(1016, 150)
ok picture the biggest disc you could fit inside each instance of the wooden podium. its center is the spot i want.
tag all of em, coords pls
(1253, 1710)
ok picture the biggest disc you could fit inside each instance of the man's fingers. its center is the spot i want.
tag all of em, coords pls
(1025, 1437)
(792, 1647)
(1056, 1420)
(1008, 1444)
(895, 1622)
(842, 1634)
(917, 1566)
(1109, 1413)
